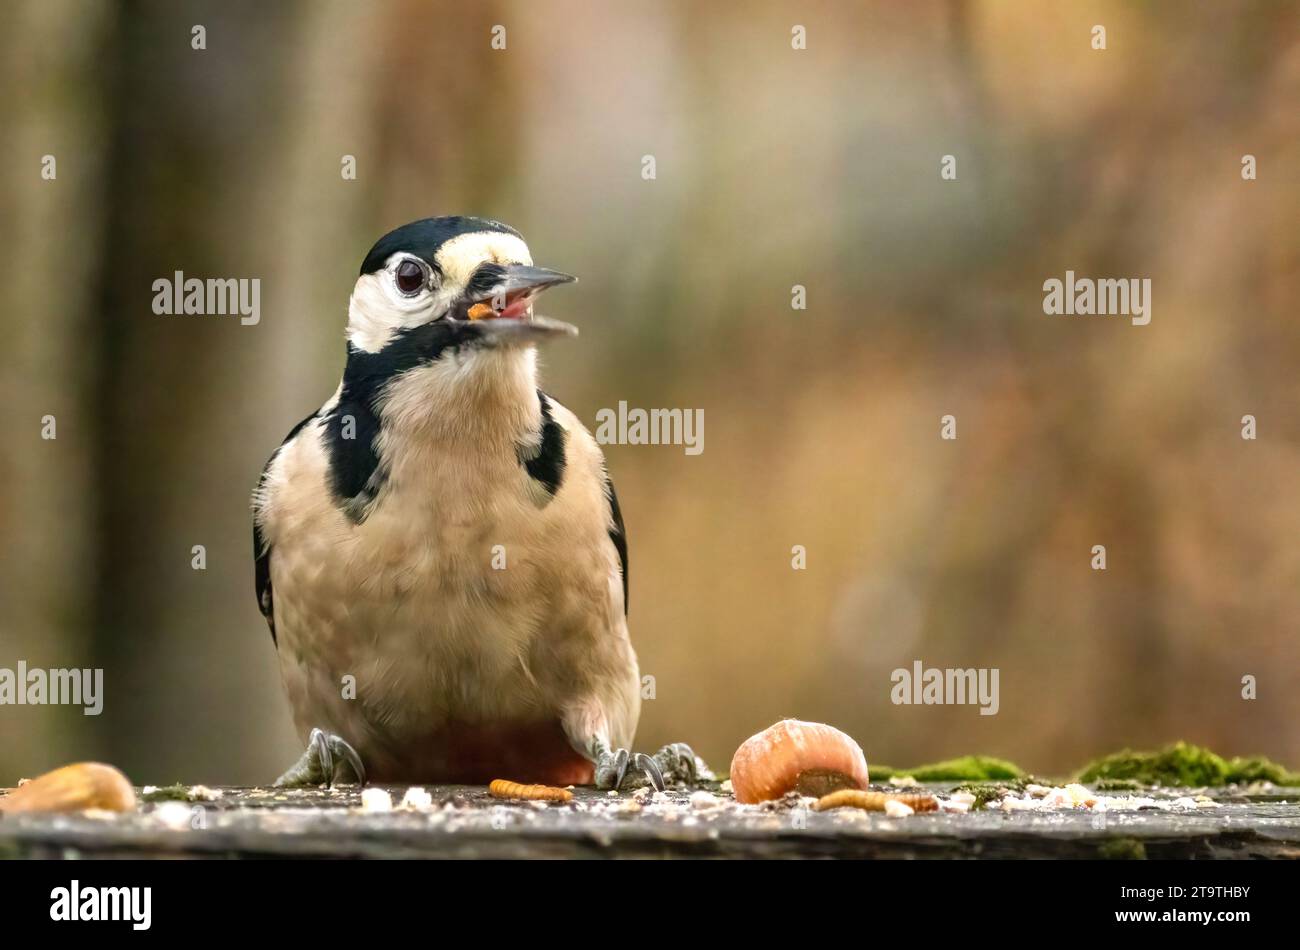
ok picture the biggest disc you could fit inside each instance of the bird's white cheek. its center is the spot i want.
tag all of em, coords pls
(376, 311)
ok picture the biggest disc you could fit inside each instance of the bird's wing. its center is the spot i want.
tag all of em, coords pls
(617, 533)
(546, 463)
(261, 547)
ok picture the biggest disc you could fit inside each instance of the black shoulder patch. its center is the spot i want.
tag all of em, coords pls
(618, 534)
(262, 550)
(547, 464)
(352, 426)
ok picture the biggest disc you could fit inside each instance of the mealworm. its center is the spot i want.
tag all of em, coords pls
(502, 788)
(873, 801)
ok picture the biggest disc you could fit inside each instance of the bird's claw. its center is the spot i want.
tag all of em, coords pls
(673, 763)
(678, 761)
(324, 754)
(651, 770)
(611, 768)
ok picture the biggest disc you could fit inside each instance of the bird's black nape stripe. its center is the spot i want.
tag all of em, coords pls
(618, 534)
(423, 238)
(262, 550)
(547, 466)
(352, 426)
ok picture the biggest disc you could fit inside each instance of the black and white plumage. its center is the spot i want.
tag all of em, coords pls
(446, 537)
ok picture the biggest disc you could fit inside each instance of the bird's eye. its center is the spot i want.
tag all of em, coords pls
(410, 277)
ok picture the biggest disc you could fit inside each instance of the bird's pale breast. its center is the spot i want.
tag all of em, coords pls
(443, 633)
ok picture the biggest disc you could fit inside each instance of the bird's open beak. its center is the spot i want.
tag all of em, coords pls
(510, 296)
(503, 304)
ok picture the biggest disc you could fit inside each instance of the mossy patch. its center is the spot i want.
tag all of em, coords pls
(966, 768)
(1244, 771)
(986, 792)
(1117, 785)
(1122, 849)
(1184, 765)
(167, 793)
(1180, 764)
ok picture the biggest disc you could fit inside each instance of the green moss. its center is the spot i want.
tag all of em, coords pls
(1117, 785)
(1184, 764)
(967, 768)
(1122, 849)
(1244, 771)
(168, 793)
(986, 792)
(1179, 764)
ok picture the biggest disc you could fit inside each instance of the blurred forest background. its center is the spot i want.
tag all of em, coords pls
(775, 167)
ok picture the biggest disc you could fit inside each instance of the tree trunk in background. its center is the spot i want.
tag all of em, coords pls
(191, 406)
(49, 61)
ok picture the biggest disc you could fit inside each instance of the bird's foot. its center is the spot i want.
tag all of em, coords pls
(612, 769)
(319, 763)
(673, 764)
(679, 764)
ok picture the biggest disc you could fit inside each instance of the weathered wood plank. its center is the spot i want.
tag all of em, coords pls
(464, 822)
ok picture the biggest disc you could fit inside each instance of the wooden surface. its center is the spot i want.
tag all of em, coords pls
(464, 822)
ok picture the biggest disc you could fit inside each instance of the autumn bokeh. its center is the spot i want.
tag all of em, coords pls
(775, 167)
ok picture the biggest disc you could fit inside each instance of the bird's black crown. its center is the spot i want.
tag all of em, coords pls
(423, 238)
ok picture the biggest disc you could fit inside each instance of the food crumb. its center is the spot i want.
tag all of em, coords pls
(176, 816)
(703, 800)
(376, 800)
(417, 798)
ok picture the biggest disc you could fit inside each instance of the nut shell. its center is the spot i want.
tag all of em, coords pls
(78, 787)
(809, 756)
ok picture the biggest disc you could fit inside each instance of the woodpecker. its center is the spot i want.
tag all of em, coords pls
(439, 552)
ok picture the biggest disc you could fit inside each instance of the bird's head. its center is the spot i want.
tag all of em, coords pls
(454, 285)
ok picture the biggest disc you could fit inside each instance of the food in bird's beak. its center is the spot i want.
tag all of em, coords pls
(808, 757)
(512, 289)
(80, 787)
(513, 307)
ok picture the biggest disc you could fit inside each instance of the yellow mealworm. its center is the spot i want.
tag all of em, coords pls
(873, 801)
(501, 788)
